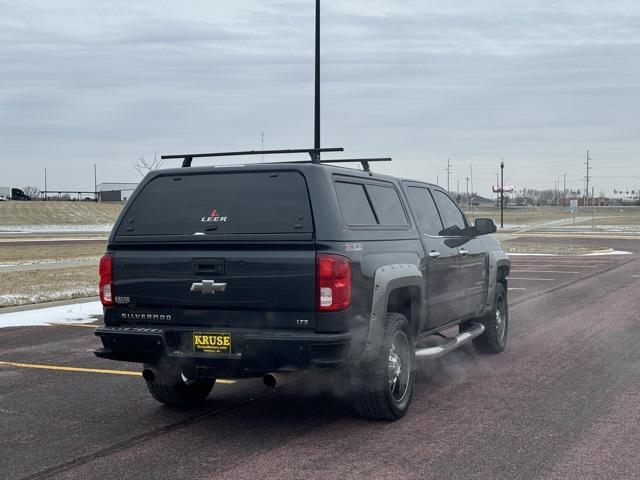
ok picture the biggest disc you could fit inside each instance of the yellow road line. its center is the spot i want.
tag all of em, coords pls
(71, 369)
(86, 370)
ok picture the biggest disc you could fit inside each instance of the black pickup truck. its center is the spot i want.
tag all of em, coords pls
(254, 270)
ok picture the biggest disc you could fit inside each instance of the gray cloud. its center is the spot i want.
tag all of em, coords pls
(86, 82)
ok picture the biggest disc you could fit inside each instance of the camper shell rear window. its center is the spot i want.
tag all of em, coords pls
(215, 204)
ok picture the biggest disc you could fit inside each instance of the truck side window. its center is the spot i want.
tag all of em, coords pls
(425, 209)
(452, 217)
(354, 204)
(387, 204)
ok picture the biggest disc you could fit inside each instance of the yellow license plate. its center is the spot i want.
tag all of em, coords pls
(211, 342)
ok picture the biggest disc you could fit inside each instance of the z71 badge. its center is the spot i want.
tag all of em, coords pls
(353, 247)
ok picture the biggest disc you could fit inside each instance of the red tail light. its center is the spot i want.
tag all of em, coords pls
(106, 279)
(334, 282)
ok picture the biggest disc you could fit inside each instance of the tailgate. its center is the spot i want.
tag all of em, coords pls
(242, 286)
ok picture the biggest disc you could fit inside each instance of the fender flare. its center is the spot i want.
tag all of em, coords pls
(497, 260)
(387, 278)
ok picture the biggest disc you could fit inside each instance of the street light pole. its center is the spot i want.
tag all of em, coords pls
(316, 135)
(502, 194)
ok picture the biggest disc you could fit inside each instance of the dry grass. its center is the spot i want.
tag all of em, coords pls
(58, 213)
(528, 217)
(515, 246)
(50, 253)
(35, 286)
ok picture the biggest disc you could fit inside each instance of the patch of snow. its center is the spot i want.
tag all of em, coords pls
(48, 262)
(610, 252)
(13, 299)
(592, 254)
(73, 313)
(511, 254)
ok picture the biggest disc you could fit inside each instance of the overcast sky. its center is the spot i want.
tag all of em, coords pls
(537, 83)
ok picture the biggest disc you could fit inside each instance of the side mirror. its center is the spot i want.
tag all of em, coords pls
(485, 226)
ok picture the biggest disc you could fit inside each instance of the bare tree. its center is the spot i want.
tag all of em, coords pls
(33, 192)
(143, 166)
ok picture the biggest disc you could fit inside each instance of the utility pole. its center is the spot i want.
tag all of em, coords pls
(448, 174)
(593, 209)
(262, 144)
(438, 180)
(564, 190)
(95, 183)
(587, 179)
(316, 140)
(467, 191)
(497, 193)
(458, 189)
(45, 183)
(502, 194)
(471, 168)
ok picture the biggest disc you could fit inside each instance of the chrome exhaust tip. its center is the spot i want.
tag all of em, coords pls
(270, 380)
(276, 379)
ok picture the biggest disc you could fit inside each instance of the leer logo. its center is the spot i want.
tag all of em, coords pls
(213, 217)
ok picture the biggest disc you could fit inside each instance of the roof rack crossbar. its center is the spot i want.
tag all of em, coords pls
(313, 153)
(363, 161)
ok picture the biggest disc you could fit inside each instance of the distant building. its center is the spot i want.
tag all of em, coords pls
(475, 200)
(115, 192)
(482, 201)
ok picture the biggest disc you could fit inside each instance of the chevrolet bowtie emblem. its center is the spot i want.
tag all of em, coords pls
(208, 286)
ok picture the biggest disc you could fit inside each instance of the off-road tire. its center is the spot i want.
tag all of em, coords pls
(372, 394)
(172, 390)
(494, 338)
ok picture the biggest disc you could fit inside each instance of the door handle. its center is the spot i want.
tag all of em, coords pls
(433, 254)
(464, 252)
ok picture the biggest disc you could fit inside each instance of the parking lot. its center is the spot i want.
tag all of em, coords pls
(560, 402)
(533, 275)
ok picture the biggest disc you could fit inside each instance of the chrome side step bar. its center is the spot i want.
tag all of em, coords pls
(475, 330)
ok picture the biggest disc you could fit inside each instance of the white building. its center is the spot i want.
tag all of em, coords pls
(115, 192)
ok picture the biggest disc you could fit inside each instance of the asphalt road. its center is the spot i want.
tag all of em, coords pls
(563, 401)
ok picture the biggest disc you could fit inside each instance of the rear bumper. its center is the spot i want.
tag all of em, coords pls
(253, 352)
